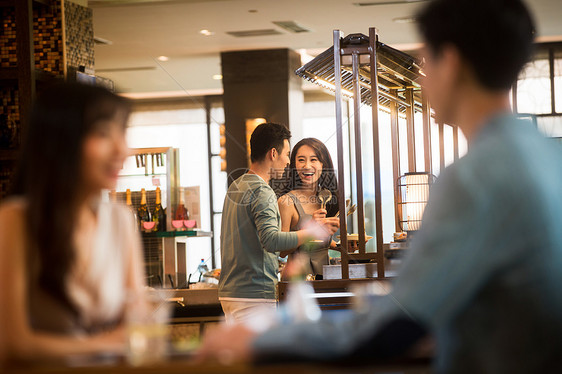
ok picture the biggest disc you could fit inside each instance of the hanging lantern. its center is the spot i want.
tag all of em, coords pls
(413, 191)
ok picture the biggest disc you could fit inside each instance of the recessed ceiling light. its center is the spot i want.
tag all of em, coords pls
(404, 20)
(163, 58)
(206, 32)
(217, 77)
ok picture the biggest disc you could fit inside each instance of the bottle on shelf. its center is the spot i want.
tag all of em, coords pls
(129, 203)
(158, 214)
(142, 212)
(181, 211)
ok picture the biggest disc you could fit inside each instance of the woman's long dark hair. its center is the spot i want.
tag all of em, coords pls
(49, 175)
(327, 179)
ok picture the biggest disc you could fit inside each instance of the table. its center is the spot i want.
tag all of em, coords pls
(186, 366)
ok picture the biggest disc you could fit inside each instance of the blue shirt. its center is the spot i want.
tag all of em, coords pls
(251, 238)
(485, 270)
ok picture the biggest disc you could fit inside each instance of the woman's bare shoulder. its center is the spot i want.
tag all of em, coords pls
(285, 200)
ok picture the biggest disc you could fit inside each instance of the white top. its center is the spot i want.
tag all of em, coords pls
(99, 289)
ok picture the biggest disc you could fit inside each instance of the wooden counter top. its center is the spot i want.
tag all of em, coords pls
(185, 366)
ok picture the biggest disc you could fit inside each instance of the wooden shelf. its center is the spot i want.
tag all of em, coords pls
(173, 234)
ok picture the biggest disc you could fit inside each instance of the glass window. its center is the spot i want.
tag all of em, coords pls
(388, 183)
(558, 81)
(219, 184)
(319, 121)
(533, 88)
(403, 141)
(186, 130)
(550, 126)
(217, 238)
(418, 130)
(435, 148)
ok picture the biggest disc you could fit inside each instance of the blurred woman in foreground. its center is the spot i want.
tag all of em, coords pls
(67, 261)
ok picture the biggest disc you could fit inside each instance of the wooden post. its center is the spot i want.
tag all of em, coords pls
(341, 174)
(410, 131)
(358, 160)
(394, 133)
(426, 109)
(373, 39)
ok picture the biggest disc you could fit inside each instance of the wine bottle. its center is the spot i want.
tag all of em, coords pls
(142, 212)
(130, 206)
(158, 214)
(181, 211)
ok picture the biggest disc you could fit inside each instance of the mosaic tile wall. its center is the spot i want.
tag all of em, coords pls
(47, 38)
(48, 55)
(8, 38)
(79, 33)
(48, 52)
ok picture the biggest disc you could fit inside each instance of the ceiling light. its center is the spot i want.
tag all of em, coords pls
(217, 77)
(206, 32)
(404, 20)
(162, 58)
(98, 40)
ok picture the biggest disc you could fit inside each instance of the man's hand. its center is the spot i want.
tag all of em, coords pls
(330, 224)
(227, 345)
(322, 228)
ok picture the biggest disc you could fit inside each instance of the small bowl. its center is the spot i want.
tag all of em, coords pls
(177, 224)
(190, 223)
(148, 225)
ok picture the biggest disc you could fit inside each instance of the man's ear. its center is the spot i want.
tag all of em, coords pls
(272, 154)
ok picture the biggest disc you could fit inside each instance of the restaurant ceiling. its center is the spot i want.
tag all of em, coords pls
(137, 32)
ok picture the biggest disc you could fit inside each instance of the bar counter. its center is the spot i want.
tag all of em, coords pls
(186, 366)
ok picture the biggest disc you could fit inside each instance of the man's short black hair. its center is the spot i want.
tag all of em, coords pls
(265, 137)
(495, 37)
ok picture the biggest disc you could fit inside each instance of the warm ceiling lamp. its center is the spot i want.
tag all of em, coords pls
(251, 124)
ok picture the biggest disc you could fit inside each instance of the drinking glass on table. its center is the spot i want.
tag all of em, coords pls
(147, 327)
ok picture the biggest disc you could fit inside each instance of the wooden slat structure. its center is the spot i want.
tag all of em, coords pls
(362, 68)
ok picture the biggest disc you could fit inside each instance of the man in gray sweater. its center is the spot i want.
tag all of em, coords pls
(251, 236)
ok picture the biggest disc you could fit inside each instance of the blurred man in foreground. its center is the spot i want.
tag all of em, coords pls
(483, 275)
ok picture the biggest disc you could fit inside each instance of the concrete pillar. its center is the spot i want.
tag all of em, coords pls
(258, 84)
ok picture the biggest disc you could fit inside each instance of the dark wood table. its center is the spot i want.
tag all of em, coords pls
(186, 366)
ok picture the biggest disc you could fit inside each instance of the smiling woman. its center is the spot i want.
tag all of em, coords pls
(311, 170)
